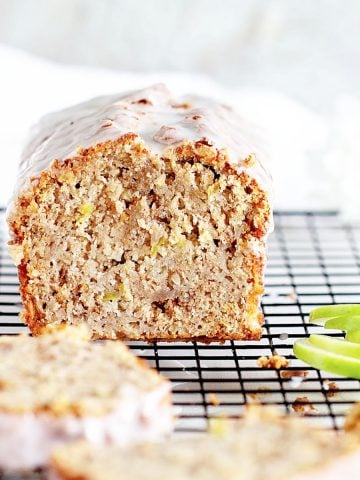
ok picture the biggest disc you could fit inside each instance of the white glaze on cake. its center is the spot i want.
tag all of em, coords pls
(159, 119)
(27, 440)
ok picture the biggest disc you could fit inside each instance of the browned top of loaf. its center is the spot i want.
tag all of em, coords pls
(156, 116)
(263, 446)
(63, 372)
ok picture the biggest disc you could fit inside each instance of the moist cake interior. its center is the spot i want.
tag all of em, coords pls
(143, 246)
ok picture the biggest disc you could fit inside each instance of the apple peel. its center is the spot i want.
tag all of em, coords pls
(353, 336)
(323, 314)
(322, 359)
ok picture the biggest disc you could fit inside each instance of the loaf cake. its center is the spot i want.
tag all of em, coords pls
(60, 386)
(145, 216)
(263, 446)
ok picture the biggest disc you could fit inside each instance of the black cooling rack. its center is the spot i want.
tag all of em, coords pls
(313, 260)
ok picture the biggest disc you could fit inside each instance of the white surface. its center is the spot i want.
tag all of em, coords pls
(306, 149)
(307, 49)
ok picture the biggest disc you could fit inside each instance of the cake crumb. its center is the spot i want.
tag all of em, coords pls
(303, 406)
(331, 388)
(273, 361)
(214, 399)
(288, 374)
(256, 397)
(292, 296)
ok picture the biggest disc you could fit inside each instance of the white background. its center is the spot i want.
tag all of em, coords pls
(291, 67)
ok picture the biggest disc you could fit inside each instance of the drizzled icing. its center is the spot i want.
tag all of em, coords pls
(153, 114)
(27, 440)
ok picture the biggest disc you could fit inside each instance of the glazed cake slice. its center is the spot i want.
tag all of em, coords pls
(60, 387)
(262, 446)
(146, 215)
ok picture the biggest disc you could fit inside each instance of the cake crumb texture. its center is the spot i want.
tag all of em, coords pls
(143, 247)
(63, 373)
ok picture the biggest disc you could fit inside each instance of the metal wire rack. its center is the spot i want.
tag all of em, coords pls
(313, 260)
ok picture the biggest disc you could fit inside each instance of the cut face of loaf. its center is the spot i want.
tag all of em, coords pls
(141, 242)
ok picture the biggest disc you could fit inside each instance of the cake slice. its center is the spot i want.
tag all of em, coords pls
(263, 446)
(352, 421)
(144, 215)
(60, 387)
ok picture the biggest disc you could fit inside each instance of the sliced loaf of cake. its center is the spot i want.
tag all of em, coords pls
(263, 446)
(144, 215)
(60, 387)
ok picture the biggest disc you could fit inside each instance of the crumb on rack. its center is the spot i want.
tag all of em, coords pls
(272, 361)
(255, 397)
(292, 296)
(214, 399)
(303, 406)
(331, 388)
(288, 374)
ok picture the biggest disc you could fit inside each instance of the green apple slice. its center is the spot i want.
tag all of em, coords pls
(328, 361)
(336, 345)
(344, 322)
(353, 336)
(321, 314)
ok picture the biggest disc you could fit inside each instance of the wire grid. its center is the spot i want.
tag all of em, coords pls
(313, 260)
